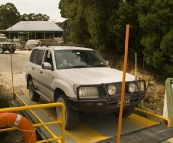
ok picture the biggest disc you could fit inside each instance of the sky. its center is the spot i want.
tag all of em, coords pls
(48, 7)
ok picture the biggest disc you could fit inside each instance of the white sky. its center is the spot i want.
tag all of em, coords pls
(48, 7)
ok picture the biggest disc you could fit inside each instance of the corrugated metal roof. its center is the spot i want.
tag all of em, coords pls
(35, 26)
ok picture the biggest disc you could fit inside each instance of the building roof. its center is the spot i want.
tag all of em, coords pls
(35, 26)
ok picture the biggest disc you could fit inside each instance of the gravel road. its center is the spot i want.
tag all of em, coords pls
(19, 59)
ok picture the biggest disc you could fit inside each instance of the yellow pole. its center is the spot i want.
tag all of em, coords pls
(123, 84)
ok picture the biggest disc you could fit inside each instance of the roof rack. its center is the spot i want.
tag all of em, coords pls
(74, 45)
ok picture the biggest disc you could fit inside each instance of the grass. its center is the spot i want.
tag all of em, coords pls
(4, 91)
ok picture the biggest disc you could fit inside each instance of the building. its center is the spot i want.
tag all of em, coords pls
(34, 30)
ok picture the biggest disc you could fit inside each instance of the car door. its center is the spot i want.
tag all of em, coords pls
(46, 76)
(32, 67)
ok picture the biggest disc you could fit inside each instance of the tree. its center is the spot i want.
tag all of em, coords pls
(156, 20)
(9, 15)
(64, 7)
(34, 17)
(101, 25)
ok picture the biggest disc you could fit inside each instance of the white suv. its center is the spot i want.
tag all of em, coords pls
(30, 44)
(81, 79)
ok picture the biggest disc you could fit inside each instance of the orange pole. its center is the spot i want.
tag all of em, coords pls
(123, 84)
(12, 70)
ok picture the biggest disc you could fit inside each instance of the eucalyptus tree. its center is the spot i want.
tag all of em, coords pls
(74, 11)
(156, 20)
(9, 15)
(34, 17)
(126, 14)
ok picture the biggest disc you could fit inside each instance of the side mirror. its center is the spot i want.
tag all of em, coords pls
(46, 66)
(107, 63)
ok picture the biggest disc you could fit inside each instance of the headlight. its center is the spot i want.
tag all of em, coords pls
(112, 89)
(87, 92)
(132, 87)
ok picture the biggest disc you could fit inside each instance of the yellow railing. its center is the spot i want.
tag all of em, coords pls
(158, 116)
(40, 122)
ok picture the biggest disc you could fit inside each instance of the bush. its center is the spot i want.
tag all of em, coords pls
(3, 99)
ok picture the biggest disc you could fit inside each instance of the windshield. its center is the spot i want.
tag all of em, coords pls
(3, 39)
(78, 59)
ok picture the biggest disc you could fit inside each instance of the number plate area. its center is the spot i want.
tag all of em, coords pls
(126, 102)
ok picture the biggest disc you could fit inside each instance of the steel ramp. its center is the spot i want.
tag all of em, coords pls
(41, 130)
(154, 134)
(93, 128)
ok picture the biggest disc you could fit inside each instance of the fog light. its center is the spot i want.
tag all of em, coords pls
(99, 104)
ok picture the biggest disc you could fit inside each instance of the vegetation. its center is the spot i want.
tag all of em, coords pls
(101, 25)
(3, 99)
(9, 16)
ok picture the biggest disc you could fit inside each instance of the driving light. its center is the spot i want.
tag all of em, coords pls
(112, 89)
(132, 87)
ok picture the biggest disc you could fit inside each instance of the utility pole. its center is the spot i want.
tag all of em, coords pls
(67, 35)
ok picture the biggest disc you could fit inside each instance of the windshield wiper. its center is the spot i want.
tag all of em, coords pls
(98, 66)
(80, 66)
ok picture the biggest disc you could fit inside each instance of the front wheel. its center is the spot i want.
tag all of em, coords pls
(1, 50)
(33, 95)
(71, 116)
(22, 47)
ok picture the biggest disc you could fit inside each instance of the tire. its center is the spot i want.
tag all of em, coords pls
(71, 116)
(1, 50)
(32, 94)
(126, 112)
(13, 50)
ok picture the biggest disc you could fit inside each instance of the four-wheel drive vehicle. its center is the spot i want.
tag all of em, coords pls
(5, 45)
(19, 44)
(81, 79)
(30, 44)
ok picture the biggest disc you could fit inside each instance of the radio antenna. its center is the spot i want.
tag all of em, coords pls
(135, 66)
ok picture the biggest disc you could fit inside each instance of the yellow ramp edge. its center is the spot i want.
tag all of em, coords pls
(140, 121)
(88, 135)
(171, 140)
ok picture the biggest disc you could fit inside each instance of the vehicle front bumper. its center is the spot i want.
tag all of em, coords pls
(104, 105)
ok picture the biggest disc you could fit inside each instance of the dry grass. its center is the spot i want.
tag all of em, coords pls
(5, 91)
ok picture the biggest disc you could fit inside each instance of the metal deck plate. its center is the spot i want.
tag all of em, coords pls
(154, 134)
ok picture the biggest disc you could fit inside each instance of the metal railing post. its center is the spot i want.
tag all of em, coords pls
(169, 96)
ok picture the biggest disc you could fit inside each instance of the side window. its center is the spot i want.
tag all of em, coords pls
(33, 57)
(48, 57)
(40, 56)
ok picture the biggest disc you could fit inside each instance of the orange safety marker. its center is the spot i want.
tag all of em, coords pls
(21, 123)
(12, 70)
(123, 84)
